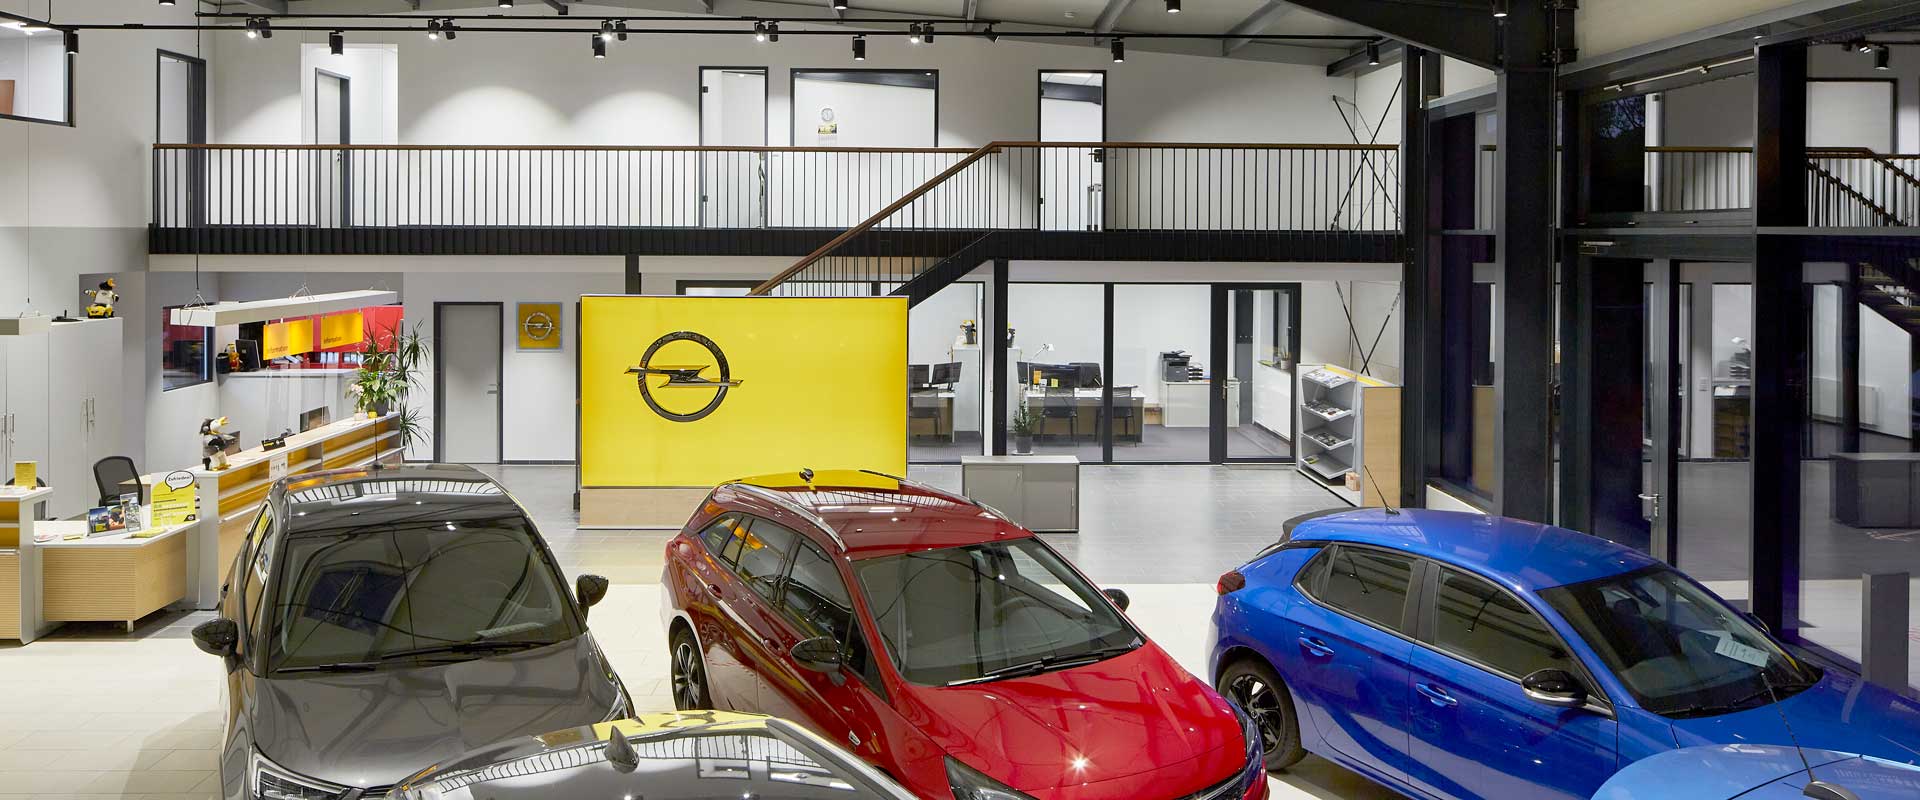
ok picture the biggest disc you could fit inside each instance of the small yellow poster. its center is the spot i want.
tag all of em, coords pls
(340, 330)
(289, 338)
(539, 326)
(25, 473)
(175, 501)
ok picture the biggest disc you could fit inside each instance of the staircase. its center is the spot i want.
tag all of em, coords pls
(1112, 201)
(1856, 187)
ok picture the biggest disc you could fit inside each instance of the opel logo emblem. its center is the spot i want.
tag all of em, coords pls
(684, 376)
(538, 326)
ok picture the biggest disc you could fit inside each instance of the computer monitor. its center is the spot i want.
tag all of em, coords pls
(1065, 376)
(946, 374)
(917, 374)
(1089, 374)
(249, 350)
(1026, 372)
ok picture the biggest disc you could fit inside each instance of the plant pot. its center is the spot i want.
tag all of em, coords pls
(1022, 445)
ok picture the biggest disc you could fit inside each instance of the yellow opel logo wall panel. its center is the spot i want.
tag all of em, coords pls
(693, 391)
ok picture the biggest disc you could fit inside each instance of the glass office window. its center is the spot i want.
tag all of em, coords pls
(35, 72)
(184, 353)
(945, 377)
(1056, 356)
(1263, 339)
(1161, 397)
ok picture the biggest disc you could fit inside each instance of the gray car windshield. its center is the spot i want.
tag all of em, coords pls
(989, 611)
(428, 589)
(1678, 649)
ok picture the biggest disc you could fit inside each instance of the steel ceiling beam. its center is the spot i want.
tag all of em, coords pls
(1110, 16)
(1464, 31)
(558, 6)
(1259, 21)
(1390, 53)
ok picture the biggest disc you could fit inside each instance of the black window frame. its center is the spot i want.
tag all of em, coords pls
(1597, 697)
(1312, 587)
(776, 580)
(67, 61)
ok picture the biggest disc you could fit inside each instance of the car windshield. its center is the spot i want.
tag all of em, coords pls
(434, 587)
(1680, 650)
(988, 611)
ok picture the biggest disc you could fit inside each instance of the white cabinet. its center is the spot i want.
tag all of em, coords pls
(64, 391)
(27, 421)
(1040, 493)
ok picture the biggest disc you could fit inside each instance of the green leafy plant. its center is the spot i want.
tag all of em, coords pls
(1023, 420)
(389, 369)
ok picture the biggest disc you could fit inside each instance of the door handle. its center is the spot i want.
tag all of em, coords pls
(1315, 647)
(1436, 695)
(713, 589)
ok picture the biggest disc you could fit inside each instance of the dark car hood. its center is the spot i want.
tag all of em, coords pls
(374, 728)
(1128, 715)
(1841, 713)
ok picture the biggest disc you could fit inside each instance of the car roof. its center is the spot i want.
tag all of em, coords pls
(872, 515)
(380, 495)
(1525, 555)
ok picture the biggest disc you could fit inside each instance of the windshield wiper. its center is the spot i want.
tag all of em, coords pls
(478, 646)
(349, 666)
(1046, 663)
(1740, 704)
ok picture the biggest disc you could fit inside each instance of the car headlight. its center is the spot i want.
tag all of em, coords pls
(971, 784)
(270, 781)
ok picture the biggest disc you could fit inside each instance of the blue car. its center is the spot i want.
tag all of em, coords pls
(1759, 772)
(1450, 655)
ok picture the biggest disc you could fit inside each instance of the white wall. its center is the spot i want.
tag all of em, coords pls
(1834, 62)
(934, 324)
(373, 101)
(1149, 320)
(1712, 114)
(537, 387)
(1603, 26)
(866, 114)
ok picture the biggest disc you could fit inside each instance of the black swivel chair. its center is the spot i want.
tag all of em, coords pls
(1058, 404)
(113, 476)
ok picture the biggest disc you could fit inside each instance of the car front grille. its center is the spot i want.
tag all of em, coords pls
(1228, 789)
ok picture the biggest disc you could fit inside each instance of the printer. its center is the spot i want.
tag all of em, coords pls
(1174, 366)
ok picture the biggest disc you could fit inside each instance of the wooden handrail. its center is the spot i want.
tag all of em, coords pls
(922, 189)
(1862, 152)
(771, 149)
(1884, 216)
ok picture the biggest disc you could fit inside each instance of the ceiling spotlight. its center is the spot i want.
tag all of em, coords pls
(337, 42)
(1882, 58)
(773, 32)
(433, 29)
(839, 5)
(1499, 9)
(1173, 6)
(1762, 32)
(599, 47)
(913, 37)
(759, 31)
(620, 30)
(1373, 54)
(859, 46)
(606, 30)
(1863, 46)
(506, 3)
(926, 33)
(992, 35)
(166, 2)
(1119, 51)
(72, 41)
(446, 26)
(253, 29)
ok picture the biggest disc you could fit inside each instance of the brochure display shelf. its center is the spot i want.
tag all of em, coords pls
(1349, 433)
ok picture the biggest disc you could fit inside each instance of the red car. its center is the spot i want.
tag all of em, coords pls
(942, 642)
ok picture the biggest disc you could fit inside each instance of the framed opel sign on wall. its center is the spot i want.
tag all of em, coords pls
(537, 326)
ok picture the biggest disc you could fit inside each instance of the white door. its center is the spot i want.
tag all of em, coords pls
(733, 113)
(1072, 179)
(332, 124)
(467, 349)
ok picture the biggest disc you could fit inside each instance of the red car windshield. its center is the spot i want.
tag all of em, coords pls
(988, 611)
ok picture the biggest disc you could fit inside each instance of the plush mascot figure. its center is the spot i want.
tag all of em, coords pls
(100, 301)
(214, 454)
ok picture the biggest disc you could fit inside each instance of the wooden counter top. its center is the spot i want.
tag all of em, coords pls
(64, 528)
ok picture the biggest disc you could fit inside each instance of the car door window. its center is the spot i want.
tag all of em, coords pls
(253, 574)
(718, 534)
(1475, 620)
(1368, 584)
(759, 554)
(815, 598)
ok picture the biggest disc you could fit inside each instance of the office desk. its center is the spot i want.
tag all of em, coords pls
(1083, 421)
(112, 578)
(938, 424)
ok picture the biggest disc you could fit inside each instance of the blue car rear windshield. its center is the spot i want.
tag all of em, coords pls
(1678, 649)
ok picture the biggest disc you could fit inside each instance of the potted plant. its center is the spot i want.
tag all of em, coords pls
(1023, 422)
(389, 368)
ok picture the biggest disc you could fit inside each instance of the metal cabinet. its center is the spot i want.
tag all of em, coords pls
(1041, 493)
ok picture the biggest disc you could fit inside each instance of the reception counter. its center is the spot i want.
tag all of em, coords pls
(20, 564)
(111, 578)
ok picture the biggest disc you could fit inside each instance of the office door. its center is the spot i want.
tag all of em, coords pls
(332, 125)
(1622, 417)
(1072, 178)
(468, 341)
(180, 104)
(733, 113)
(1256, 336)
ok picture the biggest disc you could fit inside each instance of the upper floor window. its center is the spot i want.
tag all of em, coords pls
(36, 72)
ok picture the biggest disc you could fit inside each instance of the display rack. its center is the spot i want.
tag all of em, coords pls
(1349, 425)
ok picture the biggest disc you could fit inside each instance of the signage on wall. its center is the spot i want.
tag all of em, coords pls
(289, 338)
(684, 377)
(539, 326)
(340, 330)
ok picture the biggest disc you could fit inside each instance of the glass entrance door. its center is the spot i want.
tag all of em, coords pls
(1256, 342)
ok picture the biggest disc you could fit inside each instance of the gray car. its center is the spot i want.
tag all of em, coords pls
(378, 621)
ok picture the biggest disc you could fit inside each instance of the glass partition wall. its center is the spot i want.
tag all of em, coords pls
(946, 376)
(1057, 352)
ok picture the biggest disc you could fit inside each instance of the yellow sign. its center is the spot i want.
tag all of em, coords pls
(340, 330)
(175, 500)
(539, 326)
(289, 338)
(693, 391)
(25, 473)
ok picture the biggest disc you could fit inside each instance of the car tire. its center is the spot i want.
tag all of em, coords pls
(688, 670)
(1253, 685)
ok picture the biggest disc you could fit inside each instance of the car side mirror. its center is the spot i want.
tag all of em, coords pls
(1118, 597)
(590, 590)
(1554, 687)
(217, 637)
(820, 654)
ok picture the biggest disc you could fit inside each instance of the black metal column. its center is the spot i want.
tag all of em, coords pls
(633, 274)
(1004, 395)
(1524, 334)
(1667, 406)
(1421, 405)
(1779, 338)
(1849, 361)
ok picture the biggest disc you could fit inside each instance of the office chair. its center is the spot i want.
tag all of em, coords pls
(1059, 403)
(111, 475)
(1126, 415)
(39, 515)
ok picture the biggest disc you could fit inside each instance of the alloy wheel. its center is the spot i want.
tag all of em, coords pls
(1260, 702)
(686, 676)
